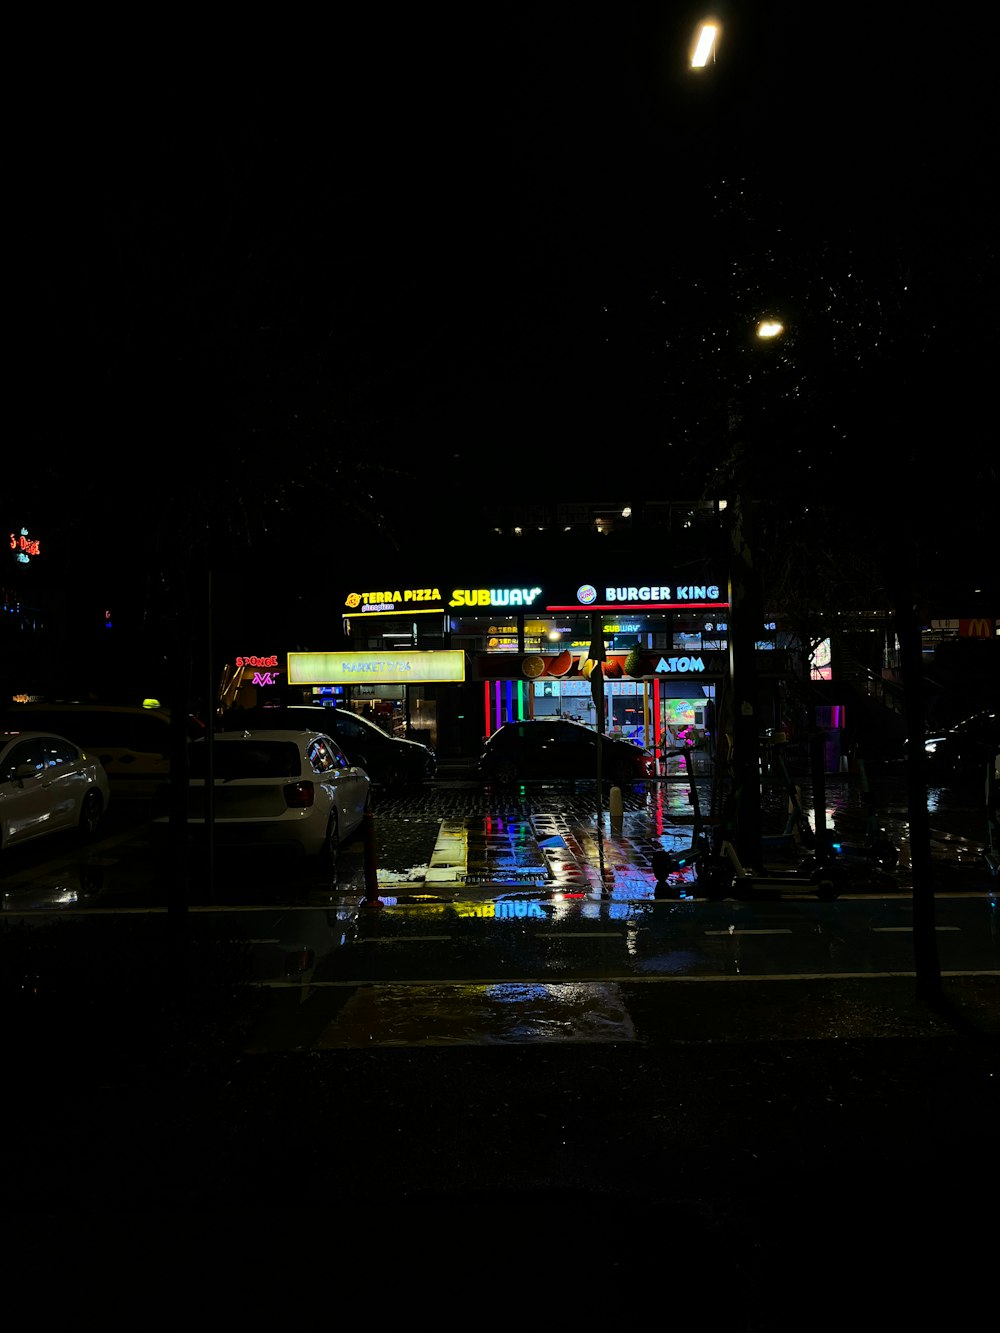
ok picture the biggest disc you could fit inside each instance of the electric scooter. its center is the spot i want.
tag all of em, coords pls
(992, 852)
(670, 867)
(817, 873)
(878, 855)
(712, 858)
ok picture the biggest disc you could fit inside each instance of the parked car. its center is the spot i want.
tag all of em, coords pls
(555, 748)
(963, 752)
(48, 784)
(292, 792)
(966, 749)
(132, 742)
(388, 760)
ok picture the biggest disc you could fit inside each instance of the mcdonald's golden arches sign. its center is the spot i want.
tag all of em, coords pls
(981, 628)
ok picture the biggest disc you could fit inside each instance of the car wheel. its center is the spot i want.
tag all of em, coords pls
(506, 771)
(621, 773)
(91, 811)
(716, 880)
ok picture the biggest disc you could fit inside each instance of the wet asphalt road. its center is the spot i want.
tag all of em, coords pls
(534, 836)
(473, 914)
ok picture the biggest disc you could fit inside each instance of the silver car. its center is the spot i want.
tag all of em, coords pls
(292, 791)
(48, 784)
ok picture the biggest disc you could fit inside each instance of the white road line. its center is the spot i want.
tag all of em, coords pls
(905, 930)
(739, 930)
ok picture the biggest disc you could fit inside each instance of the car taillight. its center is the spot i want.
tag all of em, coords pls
(298, 962)
(300, 795)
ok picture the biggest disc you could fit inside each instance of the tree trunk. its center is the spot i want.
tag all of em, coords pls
(178, 869)
(925, 950)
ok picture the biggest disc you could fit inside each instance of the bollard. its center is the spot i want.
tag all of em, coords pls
(615, 809)
(371, 898)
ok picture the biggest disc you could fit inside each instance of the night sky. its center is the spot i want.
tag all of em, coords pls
(409, 242)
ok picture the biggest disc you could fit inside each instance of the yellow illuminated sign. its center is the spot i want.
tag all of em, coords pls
(389, 668)
(496, 597)
(393, 601)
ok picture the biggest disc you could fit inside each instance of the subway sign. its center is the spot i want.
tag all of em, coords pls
(501, 597)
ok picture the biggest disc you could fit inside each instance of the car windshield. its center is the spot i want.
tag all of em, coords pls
(247, 759)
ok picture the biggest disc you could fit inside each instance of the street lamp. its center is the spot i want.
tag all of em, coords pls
(703, 49)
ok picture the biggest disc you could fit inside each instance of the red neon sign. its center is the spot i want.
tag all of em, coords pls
(24, 546)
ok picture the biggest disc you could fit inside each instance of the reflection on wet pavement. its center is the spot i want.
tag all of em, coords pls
(548, 843)
(488, 1015)
(545, 842)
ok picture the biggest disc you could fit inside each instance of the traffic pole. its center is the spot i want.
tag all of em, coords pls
(616, 811)
(371, 898)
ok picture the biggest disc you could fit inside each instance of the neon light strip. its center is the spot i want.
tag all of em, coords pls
(486, 707)
(497, 715)
(657, 720)
(509, 692)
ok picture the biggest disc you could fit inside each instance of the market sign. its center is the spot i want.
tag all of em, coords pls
(388, 668)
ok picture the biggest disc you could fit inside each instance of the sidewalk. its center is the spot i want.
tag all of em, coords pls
(755, 1147)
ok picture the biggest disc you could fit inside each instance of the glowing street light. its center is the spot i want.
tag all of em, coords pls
(704, 46)
(770, 328)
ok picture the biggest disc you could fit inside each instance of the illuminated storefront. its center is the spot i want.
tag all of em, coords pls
(448, 663)
(526, 646)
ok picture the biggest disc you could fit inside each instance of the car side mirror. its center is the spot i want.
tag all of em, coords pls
(22, 771)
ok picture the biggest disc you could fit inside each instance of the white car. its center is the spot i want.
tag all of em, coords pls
(290, 791)
(48, 784)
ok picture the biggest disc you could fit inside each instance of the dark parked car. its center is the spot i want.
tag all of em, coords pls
(132, 742)
(966, 750)
(388, 760)
(552, 748)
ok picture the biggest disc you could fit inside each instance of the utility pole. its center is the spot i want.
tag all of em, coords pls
(745, 618)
